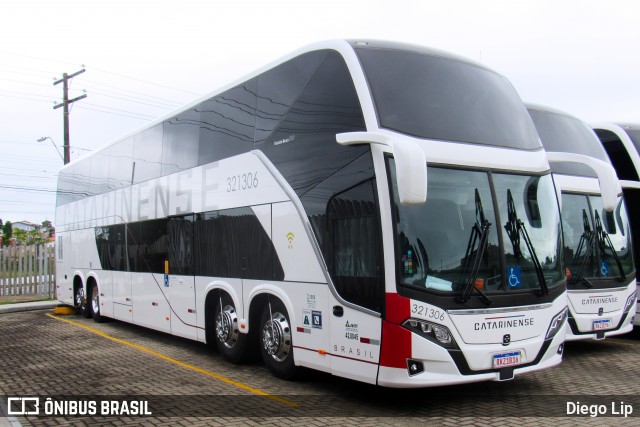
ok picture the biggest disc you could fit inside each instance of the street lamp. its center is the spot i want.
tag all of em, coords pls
(44, 138)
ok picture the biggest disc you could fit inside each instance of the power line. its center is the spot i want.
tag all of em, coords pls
(165, 106)
(172, 102)
(26, 99)
(144, 81)
(147, 118)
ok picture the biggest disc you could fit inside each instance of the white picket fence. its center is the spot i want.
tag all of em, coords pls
(28, 270)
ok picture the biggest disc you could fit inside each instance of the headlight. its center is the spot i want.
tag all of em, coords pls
(630, 301)
(431, 331)
(556, 323)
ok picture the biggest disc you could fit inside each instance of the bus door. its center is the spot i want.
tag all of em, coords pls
(179, 277)
(355, 263)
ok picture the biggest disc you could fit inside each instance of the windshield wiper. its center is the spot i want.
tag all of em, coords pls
(604, 243)
(479, 235)
(586, 241)
(515, 228)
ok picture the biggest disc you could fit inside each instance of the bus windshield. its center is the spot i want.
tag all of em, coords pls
(433, 97)
(563, 133)
(597, 244)
(440, 243)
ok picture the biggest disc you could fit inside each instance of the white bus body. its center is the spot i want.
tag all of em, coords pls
(601, 280)
(288, 214)
(621, 142)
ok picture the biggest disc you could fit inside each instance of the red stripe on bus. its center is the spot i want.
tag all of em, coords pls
(398, 309)
(396, 341)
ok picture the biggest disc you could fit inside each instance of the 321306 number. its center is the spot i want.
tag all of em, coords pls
(244, 181)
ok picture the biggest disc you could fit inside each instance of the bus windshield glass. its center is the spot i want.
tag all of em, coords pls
(433, 97)
(634, 134)
(566, 134)
(597, 244)
(439, 244)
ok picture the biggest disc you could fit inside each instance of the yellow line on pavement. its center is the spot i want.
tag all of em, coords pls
(179, 363)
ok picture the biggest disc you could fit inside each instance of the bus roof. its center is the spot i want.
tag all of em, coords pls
(344, 47)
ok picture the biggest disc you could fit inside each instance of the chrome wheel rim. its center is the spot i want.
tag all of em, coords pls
(227, 326)
(276, 337)
(95, 300)
(79, 296)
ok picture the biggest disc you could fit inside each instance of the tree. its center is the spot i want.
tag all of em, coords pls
(7, 233)
(34, 237)
(21, 236)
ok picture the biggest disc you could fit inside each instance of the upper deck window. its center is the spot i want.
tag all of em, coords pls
(433, 97)
(567, 134)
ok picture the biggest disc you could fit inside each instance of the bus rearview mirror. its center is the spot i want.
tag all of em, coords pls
(609, 186)
(410, 161)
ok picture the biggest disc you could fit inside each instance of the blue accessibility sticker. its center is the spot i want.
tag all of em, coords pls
(514, 277)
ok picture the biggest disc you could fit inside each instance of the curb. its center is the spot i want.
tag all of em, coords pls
(28, 306)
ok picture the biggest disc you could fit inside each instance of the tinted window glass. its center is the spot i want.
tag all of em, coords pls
(634, 134)
(151, 246)
(355, 261)
(180, 142)
(227, 123)
(613, 228)
(233, 243)
(82, 179)
(65, 186)
(278, 89)
(618, 155)
(121, 164)
(100, 172)
(147, 154)
(432, 97)
(316, 200)
(110, 242)
(304, 147)
(562, 133)
(180, 232)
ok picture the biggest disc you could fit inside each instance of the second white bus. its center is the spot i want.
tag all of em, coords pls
(598, 253)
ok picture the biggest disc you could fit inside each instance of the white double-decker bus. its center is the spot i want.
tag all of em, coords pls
(379, 211)
(621, 141)
(598, 250)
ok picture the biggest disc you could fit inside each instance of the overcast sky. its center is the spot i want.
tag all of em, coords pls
(144, 59)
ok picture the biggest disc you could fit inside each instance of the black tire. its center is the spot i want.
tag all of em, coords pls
(94, 303)
(276, 344)
(231, 344)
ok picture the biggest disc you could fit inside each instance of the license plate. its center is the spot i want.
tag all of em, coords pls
(507, 359)
(601, 324)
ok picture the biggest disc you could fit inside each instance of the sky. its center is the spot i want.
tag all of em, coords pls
(146, 58)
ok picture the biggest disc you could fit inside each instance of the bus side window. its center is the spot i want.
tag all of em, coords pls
(355, 246)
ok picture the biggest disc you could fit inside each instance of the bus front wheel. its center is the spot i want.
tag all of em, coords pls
(276, 344)
(230, 342)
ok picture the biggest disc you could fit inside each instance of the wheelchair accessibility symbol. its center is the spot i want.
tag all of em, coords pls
(515, 277)
(604, 268)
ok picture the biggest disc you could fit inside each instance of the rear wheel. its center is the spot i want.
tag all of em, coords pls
(231, 344)
(80, 302)
(276, 345)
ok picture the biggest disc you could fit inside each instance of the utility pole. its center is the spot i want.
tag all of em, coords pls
(65, 103)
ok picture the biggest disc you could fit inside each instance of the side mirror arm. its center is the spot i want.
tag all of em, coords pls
(411, 164)
(609, 186)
